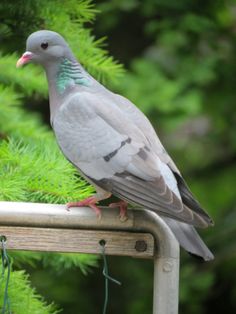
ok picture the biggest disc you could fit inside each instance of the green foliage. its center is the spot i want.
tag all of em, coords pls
(53, 14)
(57, 262)
(196, 287)
(61, 262)
(46, 175)
(23, 298)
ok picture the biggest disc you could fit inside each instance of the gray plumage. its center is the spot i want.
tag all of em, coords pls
(113, 144)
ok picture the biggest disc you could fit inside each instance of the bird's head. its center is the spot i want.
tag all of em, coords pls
(44, 47)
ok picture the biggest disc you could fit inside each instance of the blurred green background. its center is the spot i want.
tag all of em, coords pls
(176, 60)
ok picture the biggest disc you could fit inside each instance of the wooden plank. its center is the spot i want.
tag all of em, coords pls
(139, 245)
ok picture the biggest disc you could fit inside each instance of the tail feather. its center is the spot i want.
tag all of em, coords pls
(189, 239)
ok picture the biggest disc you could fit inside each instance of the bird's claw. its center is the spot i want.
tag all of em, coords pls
(90, 202)
(122, 205)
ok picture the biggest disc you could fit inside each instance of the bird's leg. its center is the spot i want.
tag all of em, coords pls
(122, 205)
(91, 202)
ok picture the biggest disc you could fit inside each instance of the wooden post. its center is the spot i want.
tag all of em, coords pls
(50, 227)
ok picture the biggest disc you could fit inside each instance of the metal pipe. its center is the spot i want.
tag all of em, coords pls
(166, 260)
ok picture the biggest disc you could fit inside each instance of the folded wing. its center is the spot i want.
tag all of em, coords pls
(115, 153)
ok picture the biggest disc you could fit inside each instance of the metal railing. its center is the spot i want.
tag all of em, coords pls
(50, 227)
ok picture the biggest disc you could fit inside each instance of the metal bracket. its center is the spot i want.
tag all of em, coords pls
(50, 227)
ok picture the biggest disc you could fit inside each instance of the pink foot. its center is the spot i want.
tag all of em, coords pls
(90, 202)
(122, 205)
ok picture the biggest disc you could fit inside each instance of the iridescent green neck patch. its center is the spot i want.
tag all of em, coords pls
(69, 74)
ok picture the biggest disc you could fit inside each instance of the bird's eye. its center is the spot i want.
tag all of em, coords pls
(44, 45)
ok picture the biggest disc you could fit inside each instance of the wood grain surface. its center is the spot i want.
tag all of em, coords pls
(140, 245)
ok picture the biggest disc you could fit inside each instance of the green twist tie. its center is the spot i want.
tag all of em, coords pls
(106, 275)
(5, 265)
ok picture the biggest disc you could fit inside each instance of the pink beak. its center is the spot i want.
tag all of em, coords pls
(25, 58)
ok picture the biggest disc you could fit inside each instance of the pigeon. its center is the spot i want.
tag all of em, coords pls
(113, 144)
